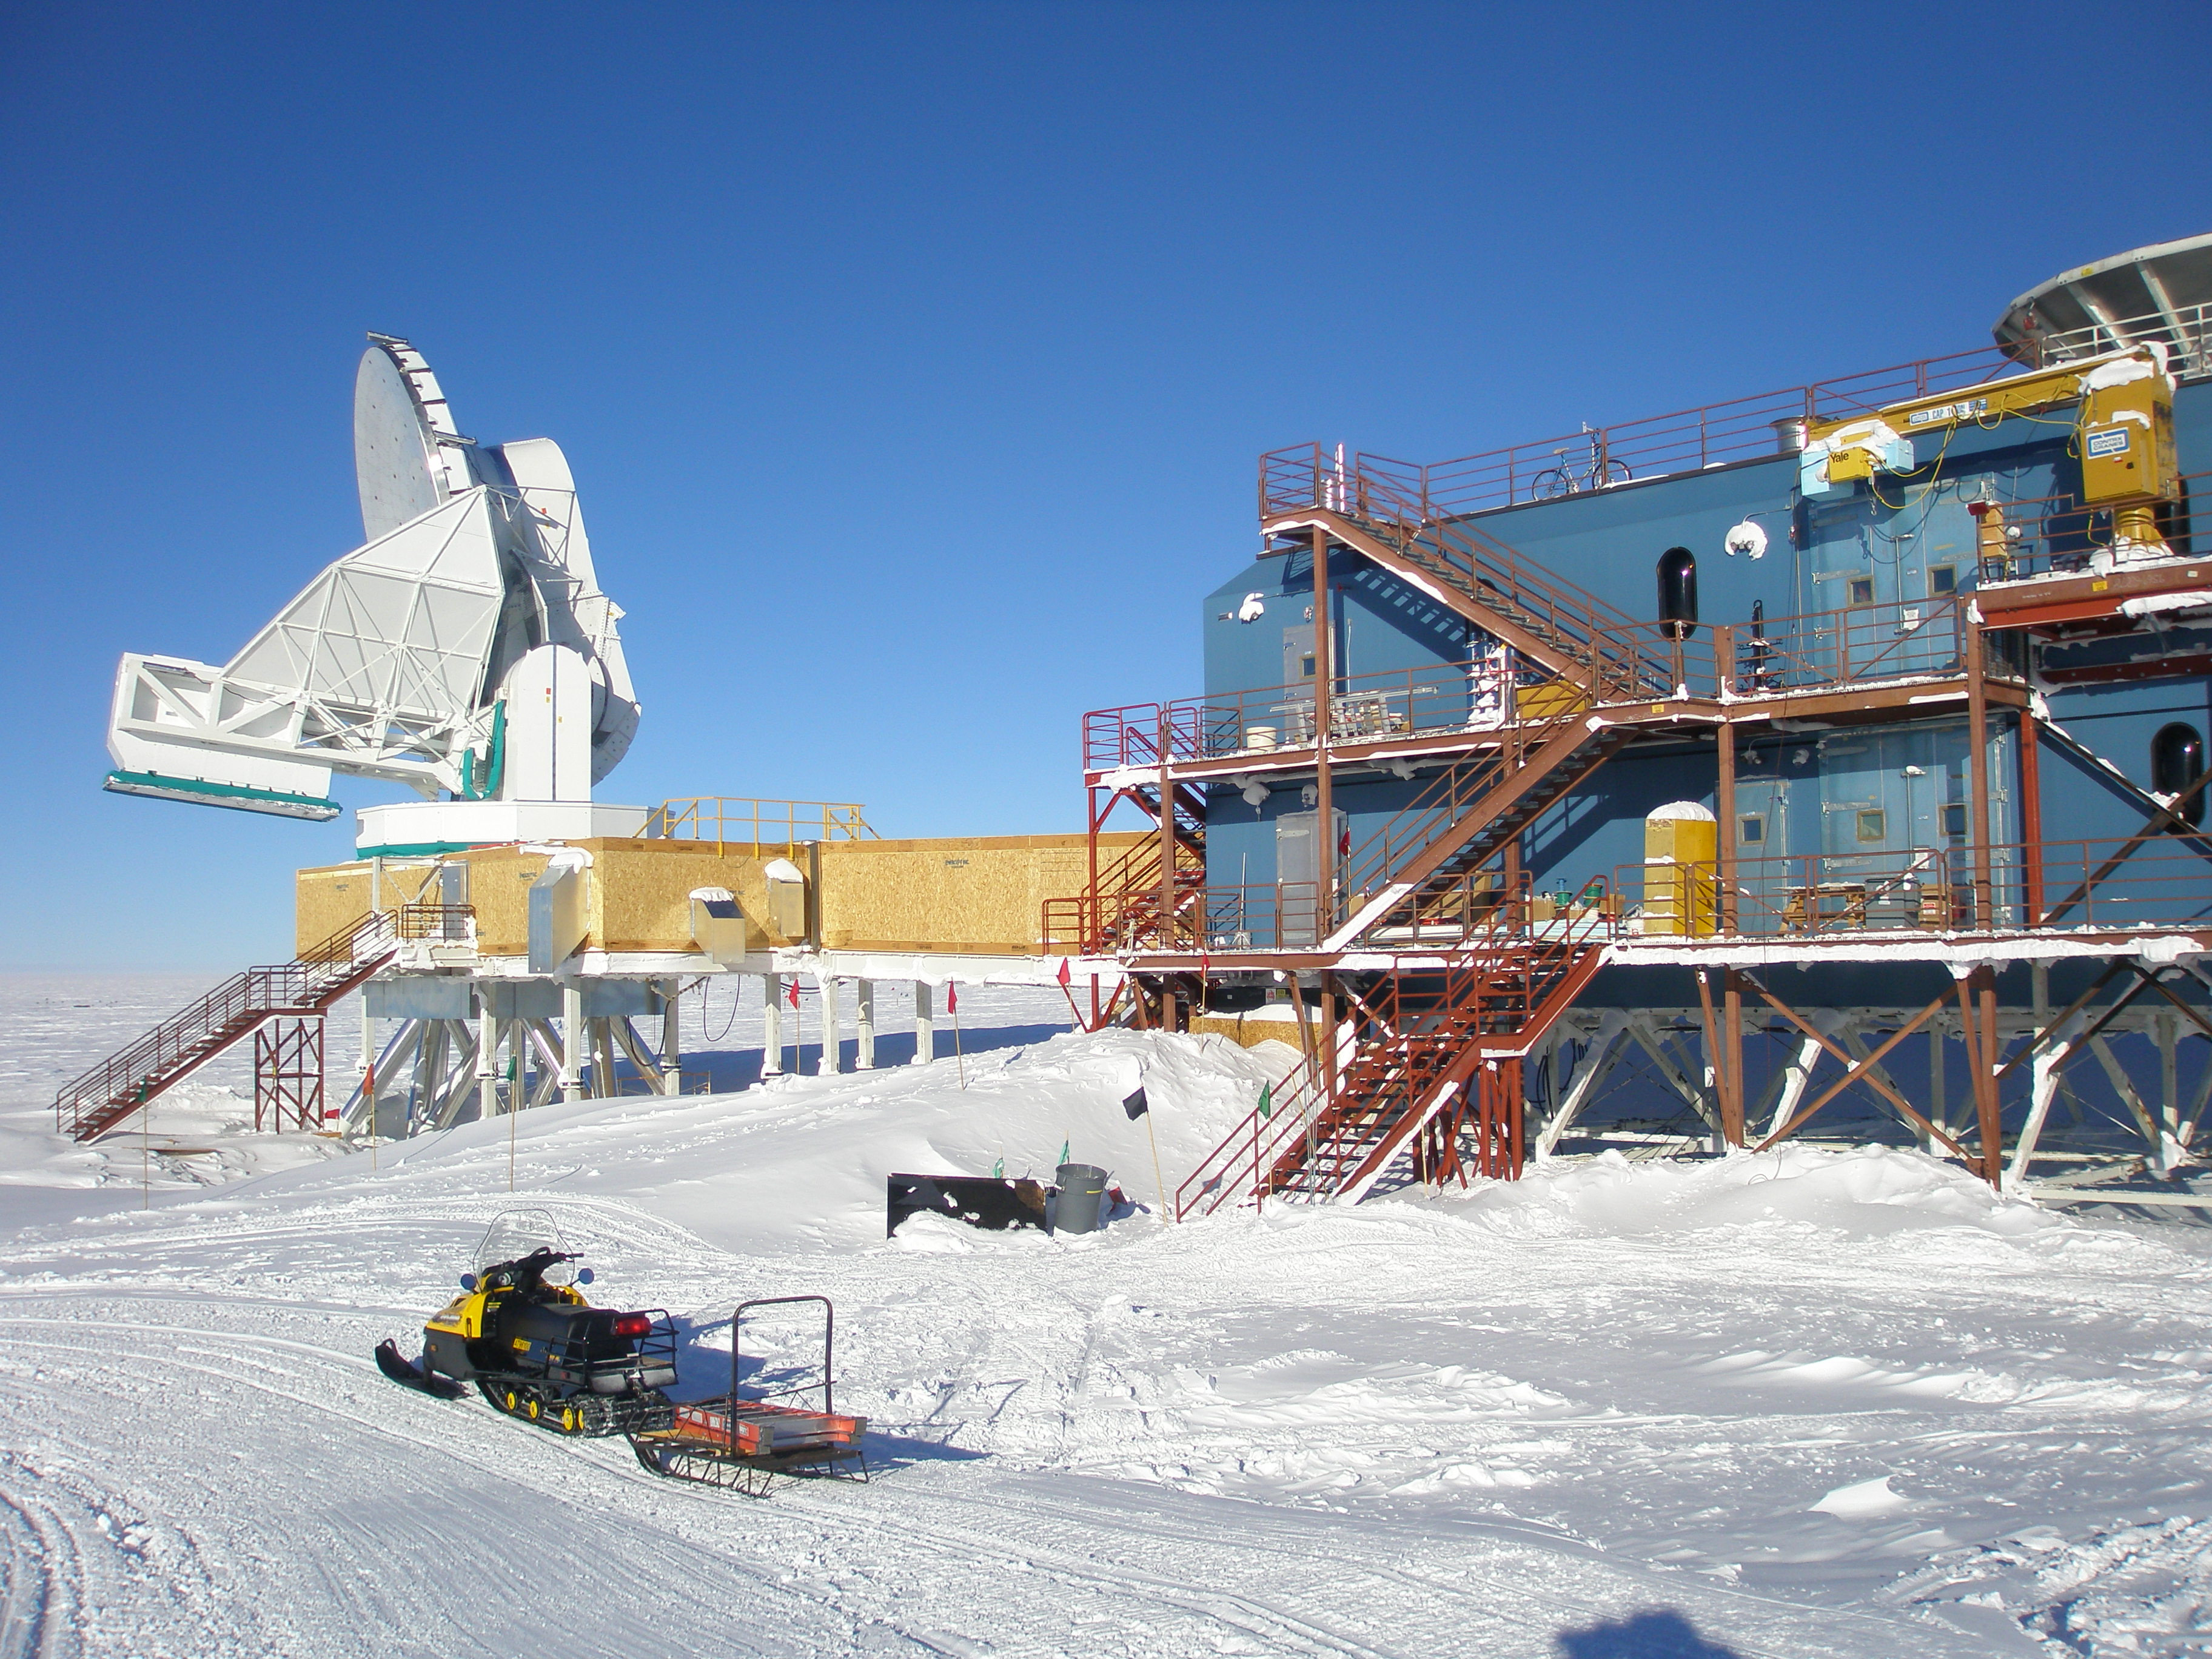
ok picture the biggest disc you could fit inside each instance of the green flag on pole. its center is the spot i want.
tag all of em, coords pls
(999, 1170)
(1267, 1101)
(1064, 1146)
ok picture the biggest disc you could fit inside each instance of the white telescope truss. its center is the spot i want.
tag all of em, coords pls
(420, 658)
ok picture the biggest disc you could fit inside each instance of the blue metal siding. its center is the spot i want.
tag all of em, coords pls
(1610, 541)
(2118, 722)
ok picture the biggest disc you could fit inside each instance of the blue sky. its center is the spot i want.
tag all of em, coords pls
(912, 359)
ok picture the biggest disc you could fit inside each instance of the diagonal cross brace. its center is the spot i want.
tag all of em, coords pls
(1854, 1070)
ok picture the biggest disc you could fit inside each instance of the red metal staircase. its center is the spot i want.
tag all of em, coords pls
(135, 1075)
(1429, 1055)
(1547, 619)
(1424, 859)
(1123, 911)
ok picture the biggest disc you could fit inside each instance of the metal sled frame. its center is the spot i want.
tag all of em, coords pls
(730, 1443)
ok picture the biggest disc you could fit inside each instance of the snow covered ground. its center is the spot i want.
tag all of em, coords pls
(1820, 1402)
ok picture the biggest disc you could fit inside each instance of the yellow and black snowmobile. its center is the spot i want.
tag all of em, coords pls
(537, 1350)
(521, 1331)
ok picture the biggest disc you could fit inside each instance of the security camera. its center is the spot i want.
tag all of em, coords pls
(1746, 538)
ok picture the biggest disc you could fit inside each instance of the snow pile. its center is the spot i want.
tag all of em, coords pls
(1861, 1193)
(2141, 1590)
(804, 1159)
(1808, 1402)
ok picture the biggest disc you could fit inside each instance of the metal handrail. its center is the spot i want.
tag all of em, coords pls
(2102, 884)
(1736, 429)
(453, 922)
(1497, 993)
(1855, 645)
(1256, 1140)
(723, 819)
(2047, 533)
(1130, 884)
(239, 1003)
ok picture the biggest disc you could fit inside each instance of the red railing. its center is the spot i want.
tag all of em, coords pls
(445, 923)
(1362, 708)
(137, 1072)
(2162, 880)
(1446, 799)
(1124, 913)
(1823, 650)
(1396, 1050)
(1741, 429)
(1235, 1171)
(2057, 534)
(1852, 646)
(2144, 881)
(1566, 625)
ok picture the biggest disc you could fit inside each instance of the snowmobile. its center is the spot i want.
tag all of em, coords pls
(521, 1331)
(537, 1350)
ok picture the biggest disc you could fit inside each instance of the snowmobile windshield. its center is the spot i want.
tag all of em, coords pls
(515, 1234)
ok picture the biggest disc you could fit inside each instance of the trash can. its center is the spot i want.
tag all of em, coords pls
(1081, 1197)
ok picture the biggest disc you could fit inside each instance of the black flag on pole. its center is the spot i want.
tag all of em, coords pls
(1136, 1105)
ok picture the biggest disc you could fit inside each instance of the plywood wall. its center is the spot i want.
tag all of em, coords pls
(982, 896)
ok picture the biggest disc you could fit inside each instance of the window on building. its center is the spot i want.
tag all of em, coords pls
(1874, 824)
(2177, 760)
(1306, 667)
(1954, 819)
(1751, 828)
(1862, 590)
(1942, 579)
(1678, 591)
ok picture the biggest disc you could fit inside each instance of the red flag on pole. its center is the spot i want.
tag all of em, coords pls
(1064, 975)
(952, 998)
(793, 991)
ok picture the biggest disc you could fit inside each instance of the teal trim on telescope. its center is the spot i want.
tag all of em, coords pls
(420, 849)
(198, 792)
(495, 760)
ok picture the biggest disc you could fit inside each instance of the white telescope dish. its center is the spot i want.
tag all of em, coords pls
(464, 649)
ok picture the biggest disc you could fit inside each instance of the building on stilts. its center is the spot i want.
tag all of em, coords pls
(1824, 761)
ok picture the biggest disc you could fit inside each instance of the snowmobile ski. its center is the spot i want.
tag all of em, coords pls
(408, 1375)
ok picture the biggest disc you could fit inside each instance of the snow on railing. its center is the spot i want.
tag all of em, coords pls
(2057, 535)
(2134, 883)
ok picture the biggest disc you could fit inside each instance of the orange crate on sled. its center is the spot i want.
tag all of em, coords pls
(760, 1430)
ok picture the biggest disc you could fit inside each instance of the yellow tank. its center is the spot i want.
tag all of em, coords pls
(1681, 864)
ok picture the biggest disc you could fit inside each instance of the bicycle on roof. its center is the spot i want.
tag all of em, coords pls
(1595, 470)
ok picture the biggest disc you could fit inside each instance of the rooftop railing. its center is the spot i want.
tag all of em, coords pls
(1690, 440)
(723, 819)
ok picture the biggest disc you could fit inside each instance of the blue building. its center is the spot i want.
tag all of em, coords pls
(1828, 759)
